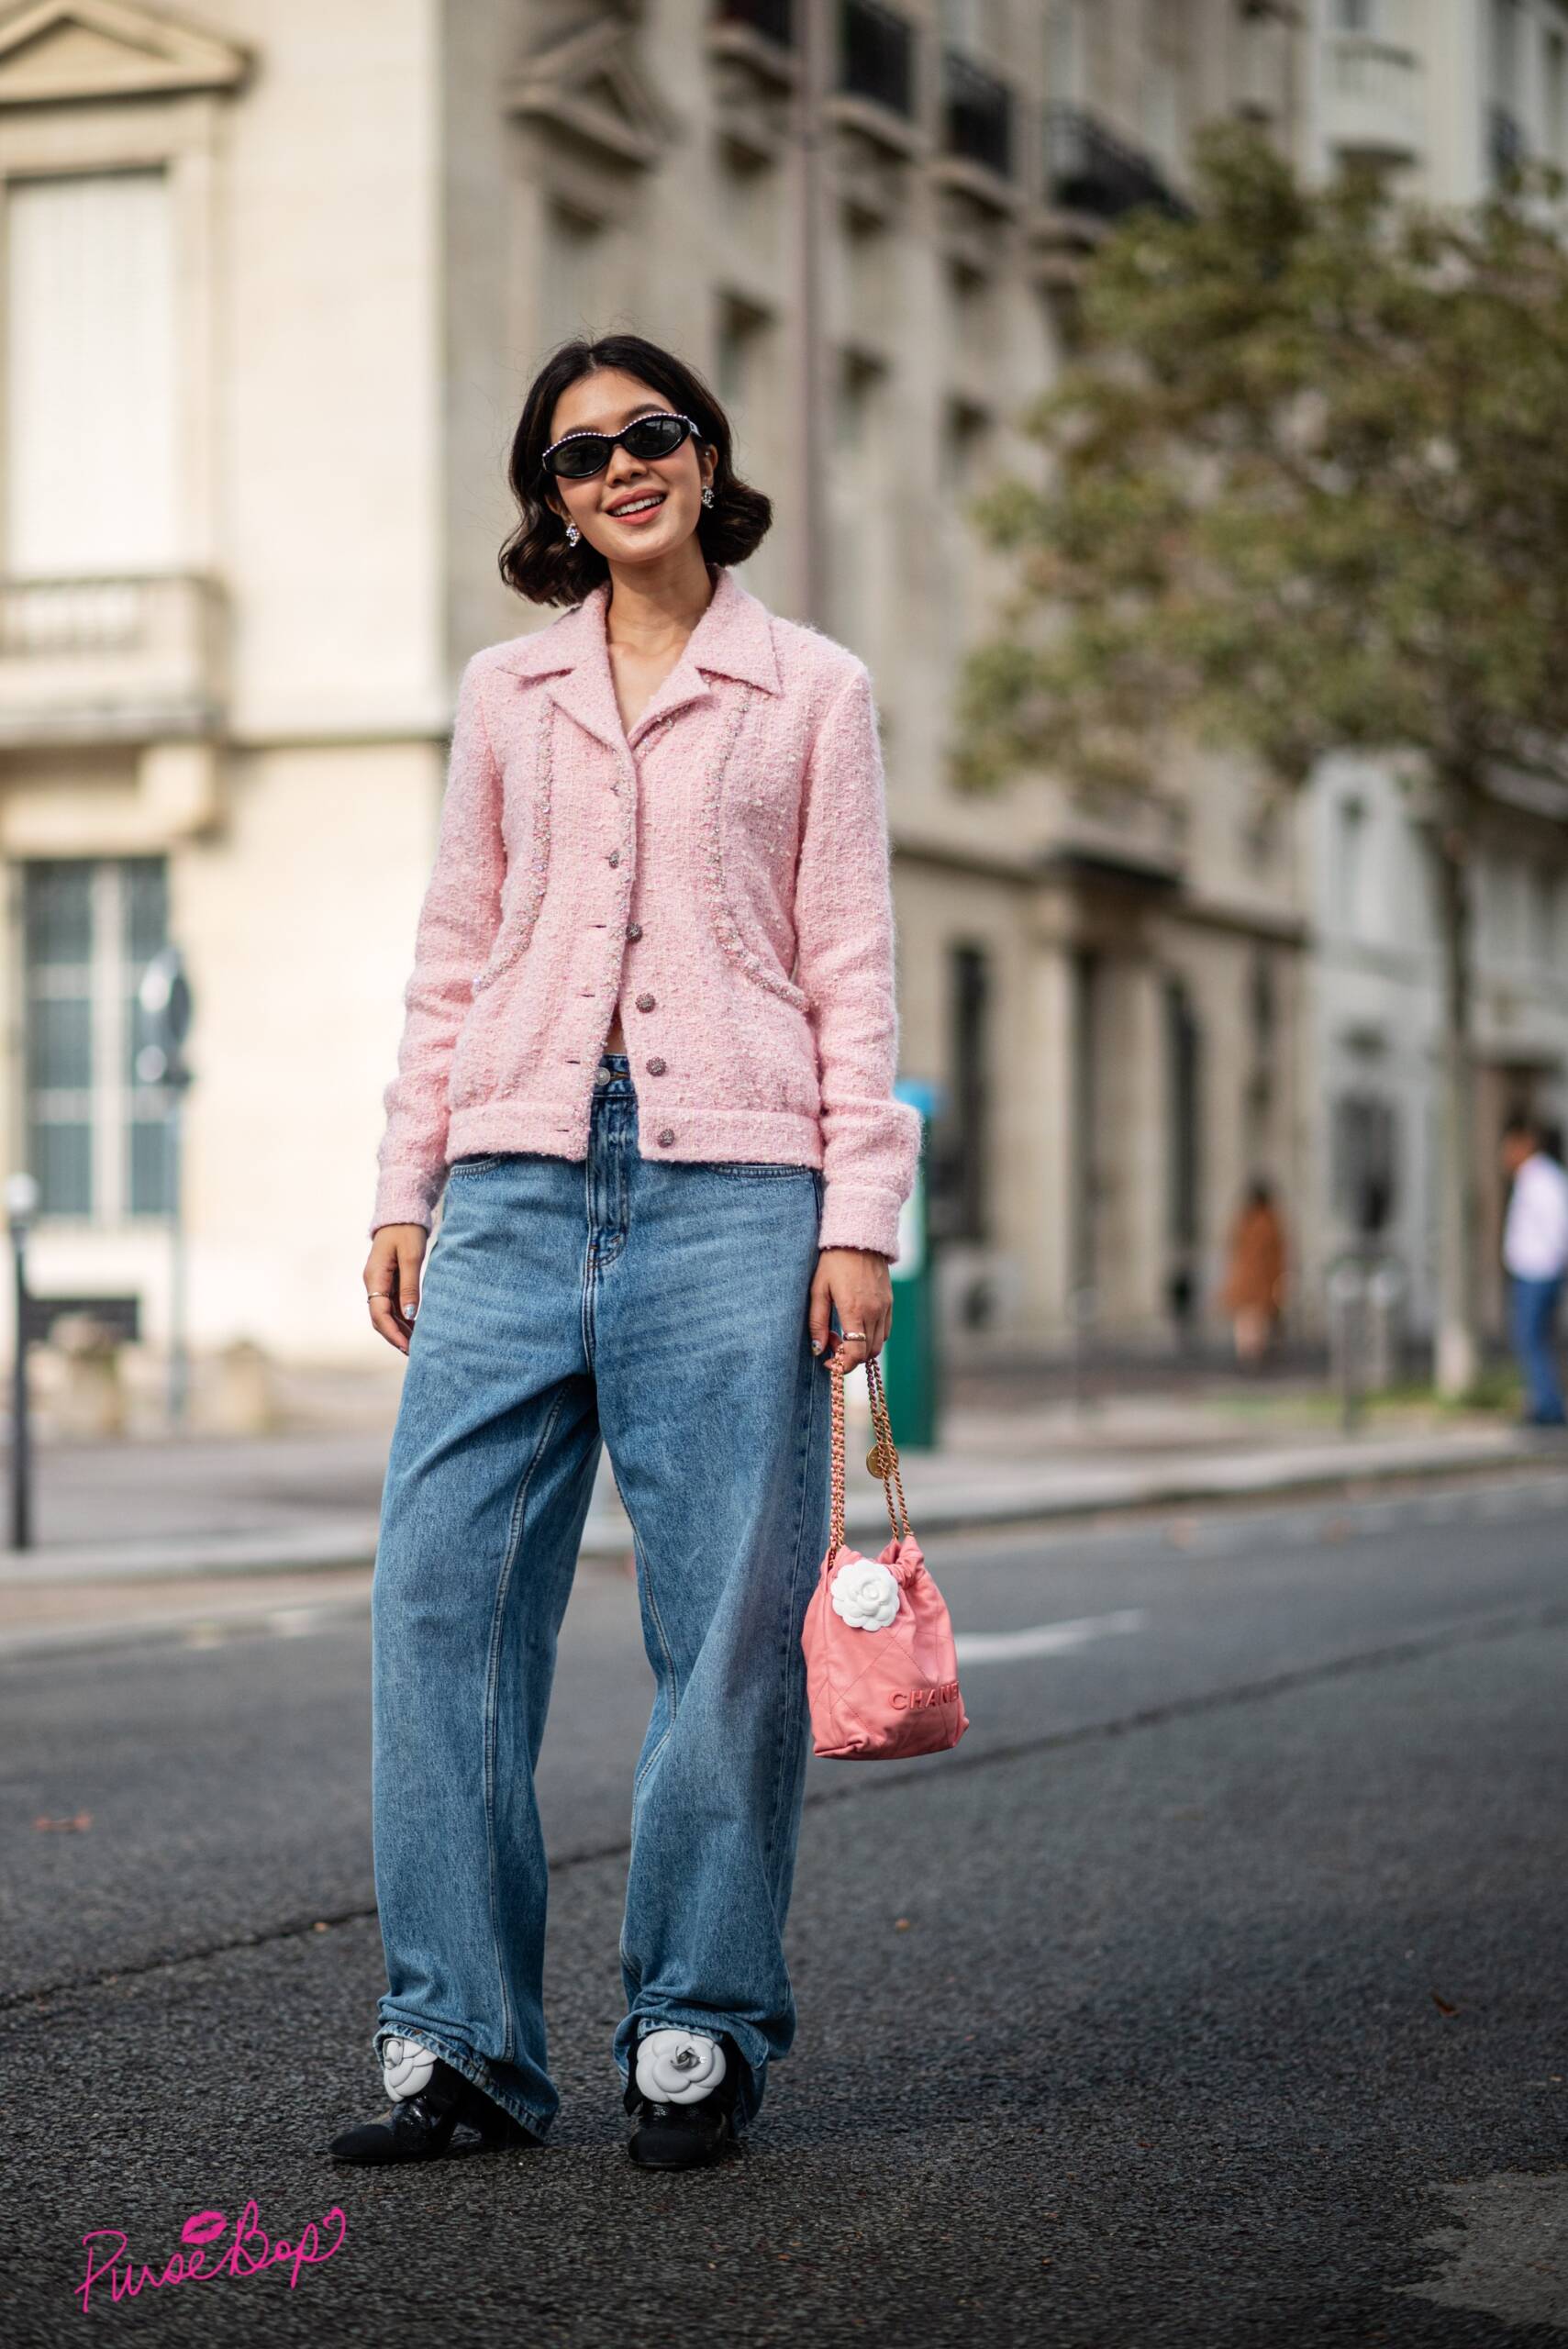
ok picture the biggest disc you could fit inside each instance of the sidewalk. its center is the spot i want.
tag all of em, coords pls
(154, 1509)
(201, 1536)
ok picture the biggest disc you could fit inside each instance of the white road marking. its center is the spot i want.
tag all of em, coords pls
(1046, 1639)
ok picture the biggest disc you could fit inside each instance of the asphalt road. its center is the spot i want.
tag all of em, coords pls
(1212, 1993)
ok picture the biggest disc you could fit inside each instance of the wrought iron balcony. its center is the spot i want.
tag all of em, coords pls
(109, 659)
(876, 55)
(977, 114)
(1505, 142)
(1089, 168)
(1373, 99)
(774, 19)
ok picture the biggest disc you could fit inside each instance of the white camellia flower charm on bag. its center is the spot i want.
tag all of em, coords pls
(678, 2067)
(865, 1593)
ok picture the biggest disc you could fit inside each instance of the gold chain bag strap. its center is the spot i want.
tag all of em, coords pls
(882, 1460)
(882, 1667)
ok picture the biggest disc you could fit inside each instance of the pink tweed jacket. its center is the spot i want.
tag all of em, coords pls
(723, 874)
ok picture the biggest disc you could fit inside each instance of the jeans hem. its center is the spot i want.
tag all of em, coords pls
(473, 2068)
(753, 2047)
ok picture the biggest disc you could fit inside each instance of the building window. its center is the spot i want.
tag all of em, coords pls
(1504, 130)
(857, 505)
(1543, 881)
(97, 1140)
(90, 376)
(876, 55)
(744, 332)
(1557, 98)
(1162, 92)
(1365, 1168)
(961, 1147)
(1507, 49)
(1183, 1193)
(1504, 900)
(1349, 863)
(1066, 53)
(745, 370)
(1264, 1020)
(773, 18)
(574, 277)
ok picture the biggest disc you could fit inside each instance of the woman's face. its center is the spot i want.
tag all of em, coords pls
(603, 403)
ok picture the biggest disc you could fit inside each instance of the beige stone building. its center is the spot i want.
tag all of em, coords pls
(273, 277)
(1446, 95)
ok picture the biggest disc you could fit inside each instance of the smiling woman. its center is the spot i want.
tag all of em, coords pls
(560, 549)
(666, 807)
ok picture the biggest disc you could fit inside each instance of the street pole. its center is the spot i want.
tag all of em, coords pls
(179, 1347)
(816, 31)
(21, 1206)
(164, 996)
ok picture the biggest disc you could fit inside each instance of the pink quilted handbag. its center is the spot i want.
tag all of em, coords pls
(881, 1666)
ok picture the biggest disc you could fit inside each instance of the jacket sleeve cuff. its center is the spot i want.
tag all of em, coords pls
(403, 1197)
(860, 1215)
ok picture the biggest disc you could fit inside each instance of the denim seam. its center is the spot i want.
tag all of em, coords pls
(491, 1685)
(642, 1557)
(642, 1773)
(586, 1305)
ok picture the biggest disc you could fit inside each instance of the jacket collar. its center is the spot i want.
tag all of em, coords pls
(733, 639)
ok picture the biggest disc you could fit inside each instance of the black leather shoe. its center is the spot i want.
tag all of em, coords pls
(675, 2129)
(420, 2128)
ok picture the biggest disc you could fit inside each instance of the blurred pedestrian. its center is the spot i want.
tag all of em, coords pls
(1254, 1288)
(664, 813)
(1535, 1257)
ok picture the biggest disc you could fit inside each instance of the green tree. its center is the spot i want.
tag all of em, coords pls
(1305, 489)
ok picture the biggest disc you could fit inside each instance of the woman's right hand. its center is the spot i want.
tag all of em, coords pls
(398, 1251)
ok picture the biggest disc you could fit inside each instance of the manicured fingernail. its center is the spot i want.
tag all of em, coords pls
(816, 1345)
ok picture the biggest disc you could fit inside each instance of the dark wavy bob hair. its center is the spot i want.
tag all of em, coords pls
(536, 559)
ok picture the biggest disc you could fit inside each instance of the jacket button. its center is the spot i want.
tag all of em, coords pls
(655, 1068)
(645, 1003)
(667, 1137)
(614, 857)
(634, 929)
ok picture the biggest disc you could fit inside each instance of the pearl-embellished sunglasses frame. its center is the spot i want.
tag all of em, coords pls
(659, 419)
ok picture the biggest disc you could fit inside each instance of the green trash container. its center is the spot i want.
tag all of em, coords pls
(910, 1358)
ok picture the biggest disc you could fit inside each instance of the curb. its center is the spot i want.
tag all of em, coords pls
(1081, 1494)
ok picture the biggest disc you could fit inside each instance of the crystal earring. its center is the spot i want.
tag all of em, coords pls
(707, 494)
(573, 534)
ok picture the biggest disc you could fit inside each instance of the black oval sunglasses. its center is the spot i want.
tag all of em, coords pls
(582, 454)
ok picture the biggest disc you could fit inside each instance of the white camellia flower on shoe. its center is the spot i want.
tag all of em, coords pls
(678, 2067)
(406, 2068)
(865, 1593)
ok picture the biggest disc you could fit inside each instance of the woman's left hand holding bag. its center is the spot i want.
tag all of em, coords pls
(858, 1284)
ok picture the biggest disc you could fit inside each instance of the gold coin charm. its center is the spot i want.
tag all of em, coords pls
(874, 1462)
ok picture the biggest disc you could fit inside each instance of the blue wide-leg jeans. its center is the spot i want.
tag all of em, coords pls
(662, 1309)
